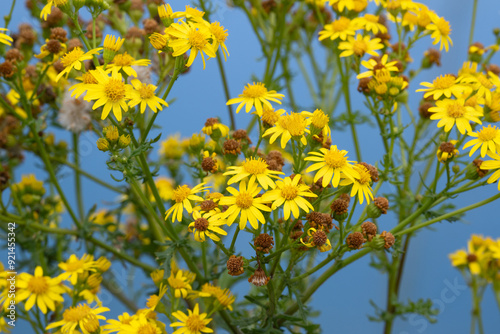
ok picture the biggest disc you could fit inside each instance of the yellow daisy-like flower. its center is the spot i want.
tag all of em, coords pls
(191, 323)
(47, 9)
(4, 38)
(42, 290)
(340, 28)
(482, 85)
(223, 296)
(219, 36)
(138, 324)
(125, 62)
(183, 196)
(193, 37)
(74, 60)
(144, 95)
(451, 112)
(78, 316)
(318, 239)
(86, 80)
(488, 138)
(370, 22)
(245, 204)
(375, 67)
(332, 164)
(257, 95)
(320, 121)
(154, 300)
(289, 193)
(258, 171)
(288, 127)
(440, 32)
(447, 151)
(171, 147)
(117, 325)
(359, 46)
(360, 185)
(179, 284)
(472, 258)
(165, 188)
(270, 116)
(206, 226)
(113, 43)
(446, 85)
(493, 164)
(111, 92)
(75, 266)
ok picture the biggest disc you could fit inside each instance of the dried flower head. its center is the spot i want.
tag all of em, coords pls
(259, 278)
(372, 170)
(369, 230)
(263, 243)
(355, 240)
(235, 265)
(231, 146)
(389, 239)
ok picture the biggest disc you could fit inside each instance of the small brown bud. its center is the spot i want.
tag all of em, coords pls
(382, 203)
(54, 46)
(493, 68)
(263, 243)
(13, 55)
(7, 69)
(363, 85)
(320, 220)
(59, 34)
(135, 32)
(209, 165)
(319, 238)
(480, 172)
(235, 265)
(389, 239)
(431, 57)
(150, 26)
(201, 224)
(369, 230)
(208, 205)
(355, 240)
(74, 43)
(339, 209)
(54, 18)
(231, 146)
(242, 136)
(423, 110)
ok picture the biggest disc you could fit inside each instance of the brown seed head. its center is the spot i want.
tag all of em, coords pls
(150, 26)
(382, 203)
(363, 85)
(211, 121)
(209, 165)
(320, 220)
(136, 5)
(369, 230)
(241, 135)
(263, 243)
(447, 147)
(208, 205)
(480, 172)
(7, 69)
(339, 206)
(59, 34)
(372, 170)
(493, 68)
(355, 240)
(54, 18)
(231, 146)
(298, 225)
(345, 197)
(423, 110)
(319, 238)
(389, 239)
(58, 66)
(471, 258)
(294, 235)
(27, 35)
(201, 224)
(135, 32)
(74, 43)
(433, 56)
(14, 55)
(54, 46)
(235, 265)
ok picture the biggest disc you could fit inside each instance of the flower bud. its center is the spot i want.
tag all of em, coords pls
(102, 144)
(124, 141)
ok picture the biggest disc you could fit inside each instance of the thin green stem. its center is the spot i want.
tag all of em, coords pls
(233, 242)
(473, 22)
(78, 184)
(8, 17)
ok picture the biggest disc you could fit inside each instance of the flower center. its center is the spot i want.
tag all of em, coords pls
(255, 90)
(38, 285)
(71, 57)
(335, 158)
(359, 47)
(255, 166)
(269, 116)
(364, 175)
(74, 266)
(218, 31)
(201, 224)
(197, 39)
(319, 238)
(444, 82)
(341, 24)
(244, 200)
(114, 90)
(123, 60)
(146, 329)
(88, 79)
(194, 323)
(146, 92)
(75, 314)
(289, 192)
(455, 110)
(488, 133)
(319, 119)
(443, 27)
(177, 283)
(181, 193)
(293, 123)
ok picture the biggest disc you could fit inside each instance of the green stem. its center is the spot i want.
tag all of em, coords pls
(233, 242)
(78, 185)
(8, 17)
(473, 22)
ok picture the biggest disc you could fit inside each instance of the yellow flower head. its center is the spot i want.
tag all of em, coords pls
(124, 62)
(206, 225)
(75, 266)
(440, 32)
(288, 127)
(493, 164)
(144, 95)
(340, 28)
(487, 138)
(179, 284)
(258, 171)
(451, 112)
(361, 185)
(444, 85)
(192, 323)
(78, 316)
(360, 46)
(447, 151)
(74, 60)
(183, 196)
(257, 95)
(375, 67)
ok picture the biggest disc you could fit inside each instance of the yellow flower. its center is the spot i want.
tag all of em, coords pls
(154, 300)
(77, 316)
(332, 164)
(219, 36)
(125, 62)
(446, 85)
(359, 46)
(117, 325)
(86, 79)
(74, 60)
(318, 239)
(111, 46)
(451, 112)
(447, 151)
(145, 95)
(165, 188)
(340, 28)
(213, 124)
(74, 266)
(42, 290)
(104, 218)
(171, 147)
(371, 23)
(375, 67)
(440, 32)
(258, 171)
(472, 258)
(270, 116)
(47, 9)
(223, 296)
(206, 226)
(288, 127)
(110, 92)
(482, 85)
(289, 194)
(488, 138)
(493, 164)
(193, 37)
(183, 196)
(138, 323)
(245, 204)
(257, 95)
(179, 284)
(4, 38)
(192, 323)
(360, 185)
